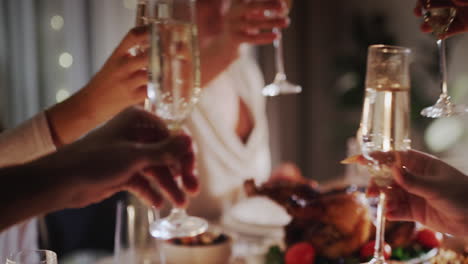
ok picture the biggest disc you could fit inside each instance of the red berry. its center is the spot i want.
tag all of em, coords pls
(428, 238)
(300, 253)
(367, 251)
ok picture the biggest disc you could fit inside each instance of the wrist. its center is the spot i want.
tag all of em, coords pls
(72, 118)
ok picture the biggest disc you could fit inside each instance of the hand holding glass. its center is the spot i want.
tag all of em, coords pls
(280, 84)
(385, 122)
(174, 88)
(440, 16)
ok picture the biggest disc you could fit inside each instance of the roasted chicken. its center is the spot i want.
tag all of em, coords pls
(336, 223)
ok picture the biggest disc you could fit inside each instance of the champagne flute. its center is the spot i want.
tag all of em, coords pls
(33, 257)
(440, 16)
(385, 122)
(280, 84)
(174, 88)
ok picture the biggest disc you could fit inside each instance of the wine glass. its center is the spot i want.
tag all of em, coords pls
(33, 257)
(280, 84)
(440, 16)
(174, 88)
(385, 122)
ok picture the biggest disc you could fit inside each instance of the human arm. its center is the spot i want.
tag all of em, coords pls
(111, 159)
(28, 141)
(120, 83)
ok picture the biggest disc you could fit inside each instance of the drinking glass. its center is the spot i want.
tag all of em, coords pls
(440, 16)
(385, 122)
(280, 84)
(33, 257)
(174, 88)
(132, 241)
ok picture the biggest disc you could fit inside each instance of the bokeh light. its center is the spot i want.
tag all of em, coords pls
(444, 133)
(66, 60)
(57, 22)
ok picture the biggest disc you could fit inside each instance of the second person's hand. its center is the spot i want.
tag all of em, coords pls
(224, 25)
(131, 152)
(426, 190)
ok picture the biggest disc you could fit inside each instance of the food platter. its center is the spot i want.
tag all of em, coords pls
(336, 227)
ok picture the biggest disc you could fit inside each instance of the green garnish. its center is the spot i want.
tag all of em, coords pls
(274, 256)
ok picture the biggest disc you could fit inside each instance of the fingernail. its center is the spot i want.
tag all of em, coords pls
(268, 13)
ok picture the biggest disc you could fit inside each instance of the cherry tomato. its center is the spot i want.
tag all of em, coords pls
(428, 238)
(367, 251)
(300, 253)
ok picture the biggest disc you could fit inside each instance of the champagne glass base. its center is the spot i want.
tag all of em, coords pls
(444, 108)
(281, 87)
(377, 261)
(175, 226)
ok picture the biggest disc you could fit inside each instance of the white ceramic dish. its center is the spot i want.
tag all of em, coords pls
(260, 211)
(206, 254)
(256, 216)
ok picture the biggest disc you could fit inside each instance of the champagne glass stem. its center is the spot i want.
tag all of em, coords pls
(162, 256)
(279, 56)
(443, 65)
(380, 230)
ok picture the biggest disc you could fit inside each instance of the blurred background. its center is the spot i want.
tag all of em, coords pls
(50, 48)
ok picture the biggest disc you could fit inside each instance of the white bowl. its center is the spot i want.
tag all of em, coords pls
(207, 254)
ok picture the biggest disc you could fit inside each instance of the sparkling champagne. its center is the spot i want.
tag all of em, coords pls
(385, 126)
(174, 85)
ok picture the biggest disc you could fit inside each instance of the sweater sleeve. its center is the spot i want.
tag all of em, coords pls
(27, 142)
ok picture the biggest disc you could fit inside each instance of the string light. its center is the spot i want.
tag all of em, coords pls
(66, 60)
(61, 95)
(56, 22)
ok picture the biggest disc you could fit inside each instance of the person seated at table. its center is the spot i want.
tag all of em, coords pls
(125, 154)
(120, 83)
(229, 124)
